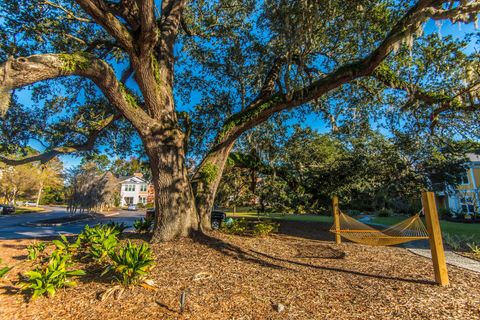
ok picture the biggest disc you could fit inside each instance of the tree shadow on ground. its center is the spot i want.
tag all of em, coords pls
(271, 261)
(383, 277)
(234, 251)
(306, 230)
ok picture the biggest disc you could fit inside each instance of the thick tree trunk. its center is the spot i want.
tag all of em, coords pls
(175, 211)
(206, 180)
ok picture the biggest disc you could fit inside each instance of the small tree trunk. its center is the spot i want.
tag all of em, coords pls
(175, 213)
(39, 195)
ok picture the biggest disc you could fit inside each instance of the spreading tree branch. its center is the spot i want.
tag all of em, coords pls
(23, 71)
(100, 12)
(53, 152)
(264, 107)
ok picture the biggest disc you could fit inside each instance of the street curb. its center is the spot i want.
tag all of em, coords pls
(33, 224)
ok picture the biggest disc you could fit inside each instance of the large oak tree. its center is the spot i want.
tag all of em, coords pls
(274, 55)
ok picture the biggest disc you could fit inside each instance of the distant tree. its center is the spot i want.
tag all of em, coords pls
(366, 168)
(49, 175)
(19, 181)
(90, 189)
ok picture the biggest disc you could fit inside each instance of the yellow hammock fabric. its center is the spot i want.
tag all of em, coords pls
(407, 230)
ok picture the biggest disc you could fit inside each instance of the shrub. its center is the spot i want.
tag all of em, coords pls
(143, 225)
(445, 213)
(237, 226)
(264, 229)
(385, 212)
(150, 205)
(35, 249)
(55, 275)
(131, 263)
(457, 242)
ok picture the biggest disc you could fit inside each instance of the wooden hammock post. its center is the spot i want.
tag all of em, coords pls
(336, 219)
(435, 238)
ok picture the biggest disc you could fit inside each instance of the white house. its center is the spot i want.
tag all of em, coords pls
(135, 190)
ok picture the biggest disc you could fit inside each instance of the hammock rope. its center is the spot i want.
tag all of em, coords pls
(407, 230)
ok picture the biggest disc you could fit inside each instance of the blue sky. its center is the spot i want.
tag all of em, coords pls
(312, 120)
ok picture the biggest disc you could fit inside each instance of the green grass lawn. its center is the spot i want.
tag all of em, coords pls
(22, 210)
(284, 217)
(454, 228)
(457, 228)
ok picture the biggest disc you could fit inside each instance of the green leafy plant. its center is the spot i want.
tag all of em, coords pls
(35, 249)
(101, 250)
(475, 248)
(54, 276)
(63, 246)
(131, 263)
(98, 234)
(120, 227)
(456, 241)
(237, 226)
(143, 225)
(4, 270)
(264, 229)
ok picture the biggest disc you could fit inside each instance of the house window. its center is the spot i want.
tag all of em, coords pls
(143, 187)
(463, 178)
(142, 200)
(467, 204)
(129, 187)
(128, 200)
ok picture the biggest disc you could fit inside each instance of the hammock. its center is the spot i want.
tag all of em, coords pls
(407, 230)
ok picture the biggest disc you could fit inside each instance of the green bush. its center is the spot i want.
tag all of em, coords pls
(131, 263)
(237, 226)
(143, 225)
(150, 205)
(457, 242)
(55, 275)
(445, 213)
(385, 212)
(35, 249)
(264, 229)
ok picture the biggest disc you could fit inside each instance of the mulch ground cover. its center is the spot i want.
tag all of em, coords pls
(234, 277)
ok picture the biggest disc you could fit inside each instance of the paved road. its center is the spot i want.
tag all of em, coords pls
(14, 226)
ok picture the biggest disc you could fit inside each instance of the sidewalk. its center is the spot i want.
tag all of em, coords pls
(452, 258)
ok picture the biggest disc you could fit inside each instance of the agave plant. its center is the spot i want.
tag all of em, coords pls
(131, 263)
(55, 275)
